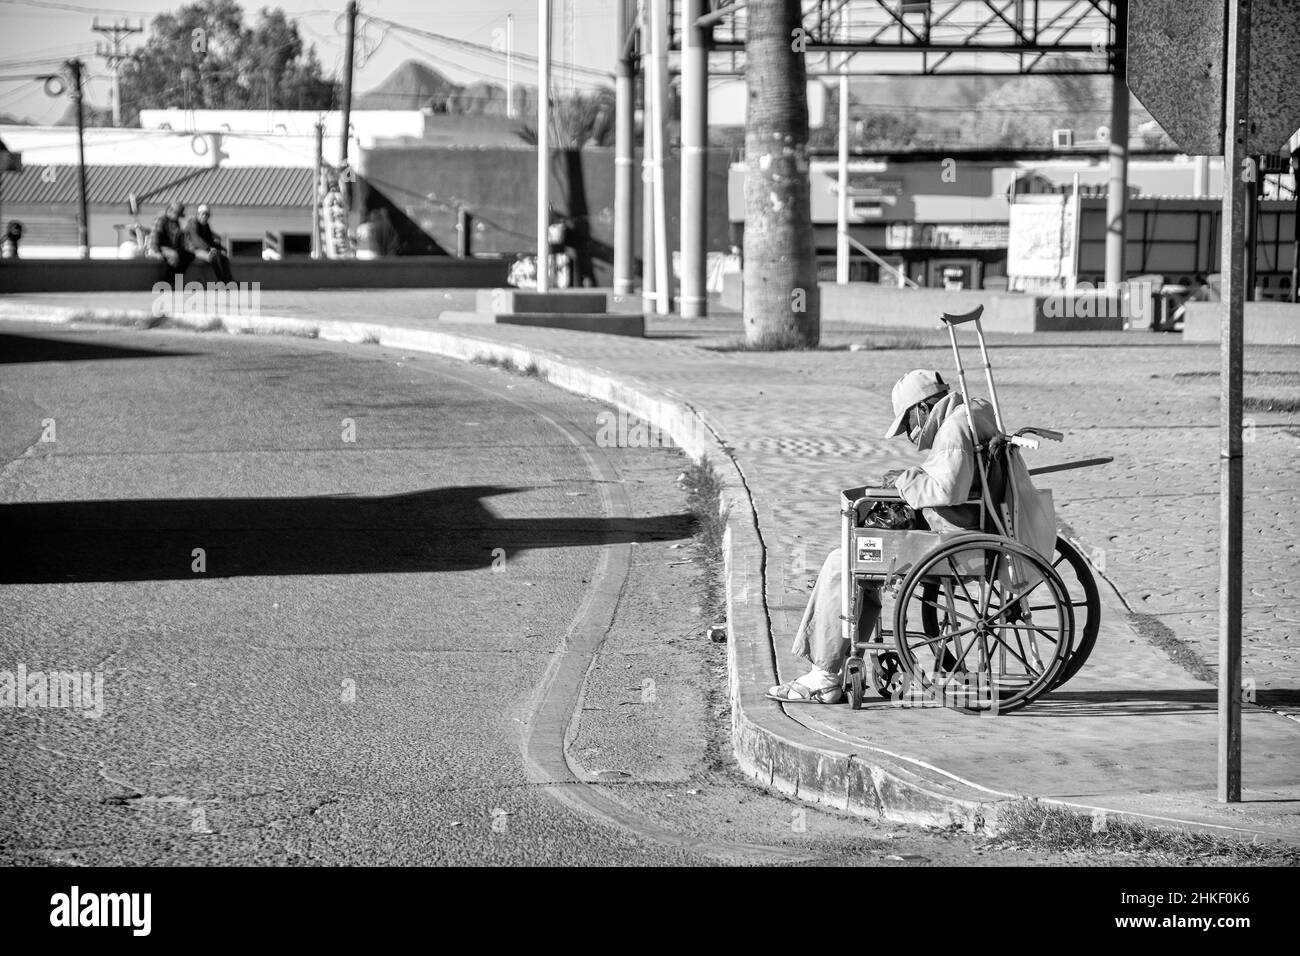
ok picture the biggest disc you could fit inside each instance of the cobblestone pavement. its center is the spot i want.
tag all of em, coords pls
(1149, 521)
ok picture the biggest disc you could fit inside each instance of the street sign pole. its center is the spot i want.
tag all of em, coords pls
(1239, 176)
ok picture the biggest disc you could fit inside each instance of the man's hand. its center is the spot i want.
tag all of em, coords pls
(889, 478)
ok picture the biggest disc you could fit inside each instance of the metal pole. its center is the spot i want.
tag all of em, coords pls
(842, 187)
(1076, 233)
(647, 167)
(510, 66)
(315, 190)
(1295, 239)
(1117, 190)
(83, 216)
(543, 145)
(659, 108)
(693, 302)
(345, 187)
(463, 227)
(624, 166)
(1235, 154)
(1251, 212)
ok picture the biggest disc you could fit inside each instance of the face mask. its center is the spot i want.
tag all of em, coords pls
(916, 419)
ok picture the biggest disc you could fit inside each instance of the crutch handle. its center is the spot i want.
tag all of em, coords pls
(971, 316)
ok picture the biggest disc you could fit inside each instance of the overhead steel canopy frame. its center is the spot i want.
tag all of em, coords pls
(843, 38)
(929, 37)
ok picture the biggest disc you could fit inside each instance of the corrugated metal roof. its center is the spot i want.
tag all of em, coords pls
(258, 186)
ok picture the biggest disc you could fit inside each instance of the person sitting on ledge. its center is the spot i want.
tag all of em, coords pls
(206, 244)
(167, 240)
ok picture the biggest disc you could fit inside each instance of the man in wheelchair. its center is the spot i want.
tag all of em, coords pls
(934, 419)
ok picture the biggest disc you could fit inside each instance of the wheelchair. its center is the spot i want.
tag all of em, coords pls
(980, 622)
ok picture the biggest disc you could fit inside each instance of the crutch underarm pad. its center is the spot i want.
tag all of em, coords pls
(970, 316)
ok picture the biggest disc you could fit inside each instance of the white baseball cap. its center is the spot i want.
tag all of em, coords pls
(910, 390)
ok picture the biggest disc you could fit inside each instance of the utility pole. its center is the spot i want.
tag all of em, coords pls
(115, 56)
(345, 187)
(316, 190)
(75, 67)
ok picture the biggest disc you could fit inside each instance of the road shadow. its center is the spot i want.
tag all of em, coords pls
(439, 529)
(21, 349)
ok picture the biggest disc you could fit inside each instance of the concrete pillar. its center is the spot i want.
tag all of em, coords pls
(543, 144)
(693, 302)
(842, 188)
(659, 123)
(624, 167)
(1117, 187)
(648, 294)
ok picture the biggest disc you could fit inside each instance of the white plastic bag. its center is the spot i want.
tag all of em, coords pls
(1034, 514)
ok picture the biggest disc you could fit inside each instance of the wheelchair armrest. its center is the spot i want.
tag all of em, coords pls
(1047, 433)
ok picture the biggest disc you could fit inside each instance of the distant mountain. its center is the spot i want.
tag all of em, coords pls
(416, 85)
(1013, 112)
(91, 116)
(9, 119)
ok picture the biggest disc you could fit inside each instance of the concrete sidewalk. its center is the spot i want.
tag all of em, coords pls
(1133, 733)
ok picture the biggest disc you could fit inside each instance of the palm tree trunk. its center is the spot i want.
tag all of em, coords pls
(782, 306)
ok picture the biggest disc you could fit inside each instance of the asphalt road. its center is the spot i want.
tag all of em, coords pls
(345, 678)
(355, 606)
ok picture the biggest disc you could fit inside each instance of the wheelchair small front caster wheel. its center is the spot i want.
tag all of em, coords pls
(854, 683)
(886, 674)
(856, 690)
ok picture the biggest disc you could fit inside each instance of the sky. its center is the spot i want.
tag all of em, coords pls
(37, 35)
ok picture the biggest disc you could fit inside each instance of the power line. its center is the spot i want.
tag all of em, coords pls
(70, 8)
(487, 50)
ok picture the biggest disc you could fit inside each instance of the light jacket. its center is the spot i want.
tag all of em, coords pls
(945, 478)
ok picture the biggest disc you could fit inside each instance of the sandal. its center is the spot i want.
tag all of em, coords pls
(795, 693)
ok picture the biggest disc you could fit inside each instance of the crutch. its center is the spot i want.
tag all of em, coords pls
(951, 321)
(1003, 518)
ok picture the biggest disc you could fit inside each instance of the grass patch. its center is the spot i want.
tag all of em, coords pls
(1032, 825)
(872, 343)
(508, 364)
(1158, 633)
(1253, 404)
(370, 338)
(126, 318)
(892, 342)
(709, 522)
(298, 331)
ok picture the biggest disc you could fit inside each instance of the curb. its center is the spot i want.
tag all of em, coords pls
(771, 746)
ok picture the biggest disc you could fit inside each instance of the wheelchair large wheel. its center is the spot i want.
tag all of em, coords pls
(1075, 571)
(983, 625)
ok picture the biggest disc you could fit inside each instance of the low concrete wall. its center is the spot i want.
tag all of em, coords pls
(609, 323)
(560, 300)
(1264, 323)
(865, 303)
(132, 275)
